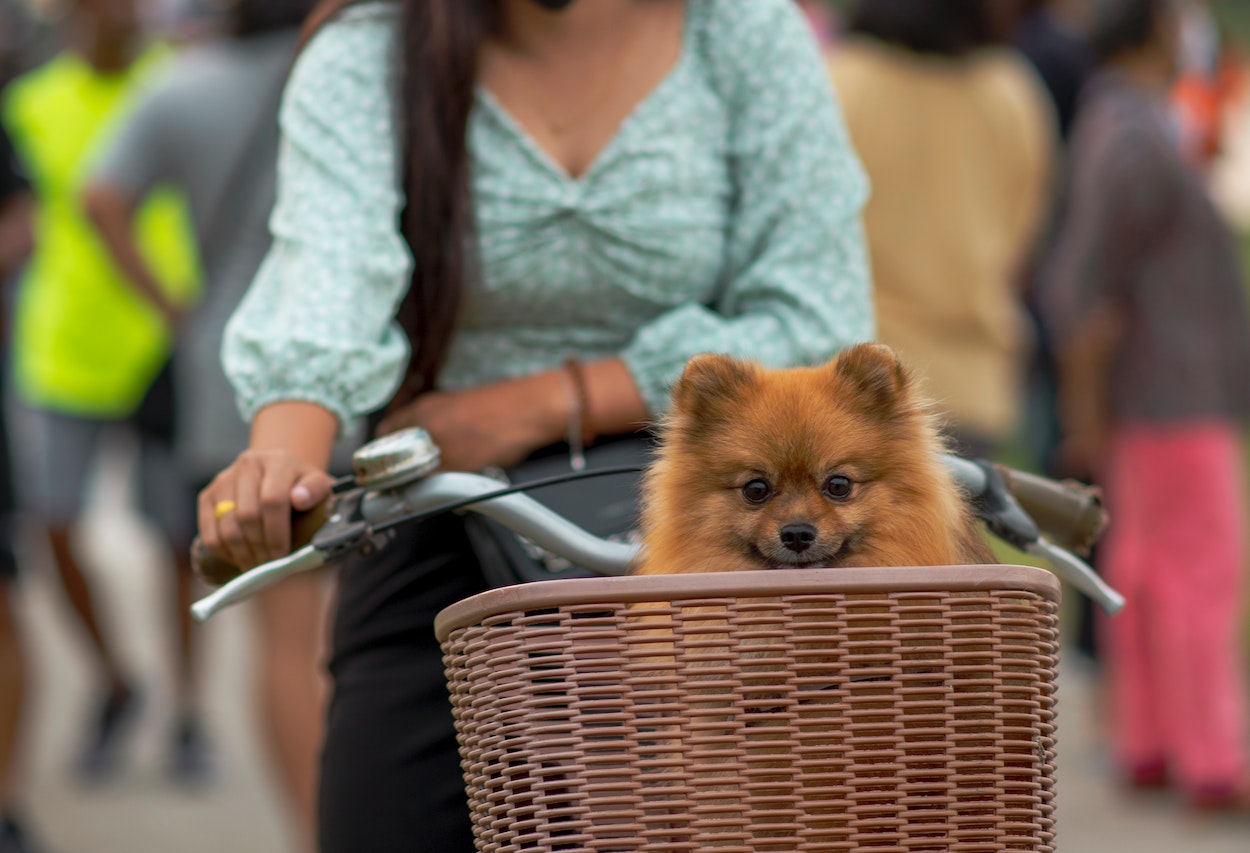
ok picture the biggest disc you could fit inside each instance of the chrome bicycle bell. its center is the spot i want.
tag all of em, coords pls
(395, 459)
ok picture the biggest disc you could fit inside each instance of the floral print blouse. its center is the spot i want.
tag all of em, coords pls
(723, 216)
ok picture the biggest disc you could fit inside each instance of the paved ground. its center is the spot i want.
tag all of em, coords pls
(141, 813)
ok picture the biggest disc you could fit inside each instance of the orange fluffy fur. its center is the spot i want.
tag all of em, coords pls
(831, 466)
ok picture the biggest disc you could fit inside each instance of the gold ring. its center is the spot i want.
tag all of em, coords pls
(223, 508)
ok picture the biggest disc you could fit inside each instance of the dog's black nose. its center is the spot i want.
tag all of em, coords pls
(798, 537)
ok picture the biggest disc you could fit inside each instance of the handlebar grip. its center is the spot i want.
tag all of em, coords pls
(216, 570)
(1070, 512)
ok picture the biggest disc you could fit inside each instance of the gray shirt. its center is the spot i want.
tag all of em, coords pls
(1142, 236)
(209, 128)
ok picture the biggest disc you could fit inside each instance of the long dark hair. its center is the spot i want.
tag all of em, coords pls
(259, 17)
(438, 47)
(1125, 25)
(941, 27)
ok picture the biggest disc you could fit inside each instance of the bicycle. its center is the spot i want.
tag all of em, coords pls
(788, 710)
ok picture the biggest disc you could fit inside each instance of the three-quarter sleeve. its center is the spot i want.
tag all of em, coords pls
(796, 287)
(317, 324)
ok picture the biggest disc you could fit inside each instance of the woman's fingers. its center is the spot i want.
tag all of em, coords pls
(310, 489)
(219, 529)
(245, 513)
(275, 508)
(206, 520)
(248, 513)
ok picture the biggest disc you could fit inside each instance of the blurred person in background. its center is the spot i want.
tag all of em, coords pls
(26, 39)
(958, 139)
(1047, 37)
(210, 129)
(16, 206)
(1146, 301)
(1228, 176)
(1211, 76)
(89, 345)
(823, 17)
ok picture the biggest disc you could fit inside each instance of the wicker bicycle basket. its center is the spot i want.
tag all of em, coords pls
(810, 710)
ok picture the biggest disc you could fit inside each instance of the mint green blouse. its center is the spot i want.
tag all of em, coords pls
(723, 217)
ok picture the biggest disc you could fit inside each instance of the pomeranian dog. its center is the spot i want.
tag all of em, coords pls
(827, 466)
(830, 466)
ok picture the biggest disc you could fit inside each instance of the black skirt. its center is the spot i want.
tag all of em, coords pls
(390, 771)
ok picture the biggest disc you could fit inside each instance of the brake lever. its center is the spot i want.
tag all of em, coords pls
(1000, 510)
(347, 530)
(1078, 573)
(1006, 519)
(251, 582)
(344, 531)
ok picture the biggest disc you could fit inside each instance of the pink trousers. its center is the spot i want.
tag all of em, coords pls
(1176, 548)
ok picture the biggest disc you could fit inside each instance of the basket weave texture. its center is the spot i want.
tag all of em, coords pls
(798, 711)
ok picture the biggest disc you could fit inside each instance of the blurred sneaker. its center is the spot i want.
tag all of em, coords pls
(190, 754)
(14, 840)
(1148, 776)
(1221, 800)
(101, 758)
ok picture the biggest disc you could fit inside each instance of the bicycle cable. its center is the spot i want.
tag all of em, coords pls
(513, 489)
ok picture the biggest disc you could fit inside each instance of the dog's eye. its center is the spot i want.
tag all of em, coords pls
(839, 486)
(757, 491)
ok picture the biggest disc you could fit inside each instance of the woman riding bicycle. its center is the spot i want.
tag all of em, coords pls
(564, 201)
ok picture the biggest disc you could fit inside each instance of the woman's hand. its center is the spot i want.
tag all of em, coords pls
(245, 513)
(496, 424)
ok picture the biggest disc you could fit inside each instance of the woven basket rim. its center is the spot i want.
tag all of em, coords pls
(774, 582)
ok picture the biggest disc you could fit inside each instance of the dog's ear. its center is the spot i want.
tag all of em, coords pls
(708, 381)
(877, 377)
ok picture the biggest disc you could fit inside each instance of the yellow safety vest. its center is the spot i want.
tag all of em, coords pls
(85, 342)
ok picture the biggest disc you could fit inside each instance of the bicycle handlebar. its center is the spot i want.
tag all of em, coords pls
(1072, 513)
(517, 511)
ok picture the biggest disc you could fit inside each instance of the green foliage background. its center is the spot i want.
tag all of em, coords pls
(1235, 15)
